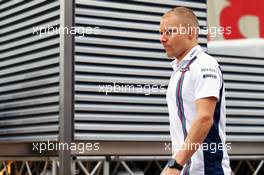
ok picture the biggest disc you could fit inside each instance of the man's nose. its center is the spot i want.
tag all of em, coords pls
(163, 38)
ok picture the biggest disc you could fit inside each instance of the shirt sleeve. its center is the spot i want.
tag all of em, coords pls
(208, 81)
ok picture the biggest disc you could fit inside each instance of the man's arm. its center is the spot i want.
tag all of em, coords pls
(201, 125)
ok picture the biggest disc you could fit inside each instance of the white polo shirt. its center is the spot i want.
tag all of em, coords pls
(197, 76)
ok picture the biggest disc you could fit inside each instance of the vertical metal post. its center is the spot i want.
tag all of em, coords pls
(73, 167)
(54, 167)
(66, 84)
(106, 167)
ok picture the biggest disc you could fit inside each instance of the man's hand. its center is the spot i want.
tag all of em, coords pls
(170, 171)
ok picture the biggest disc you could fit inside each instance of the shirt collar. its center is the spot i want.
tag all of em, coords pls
(190, 55)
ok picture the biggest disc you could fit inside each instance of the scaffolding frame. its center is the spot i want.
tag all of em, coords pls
(96, 165)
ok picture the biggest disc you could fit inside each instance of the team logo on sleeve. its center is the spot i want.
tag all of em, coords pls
(209, 76)
(209, 73)
(208, 70)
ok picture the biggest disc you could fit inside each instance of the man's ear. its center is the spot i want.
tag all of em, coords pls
(192, 33)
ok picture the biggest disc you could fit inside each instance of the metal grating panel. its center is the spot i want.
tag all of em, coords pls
(126, 52)
(244, 97)
(29, 71)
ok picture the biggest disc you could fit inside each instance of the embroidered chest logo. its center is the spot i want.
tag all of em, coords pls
(185, 69)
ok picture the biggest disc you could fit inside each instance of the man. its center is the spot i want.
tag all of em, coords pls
(196, 100)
